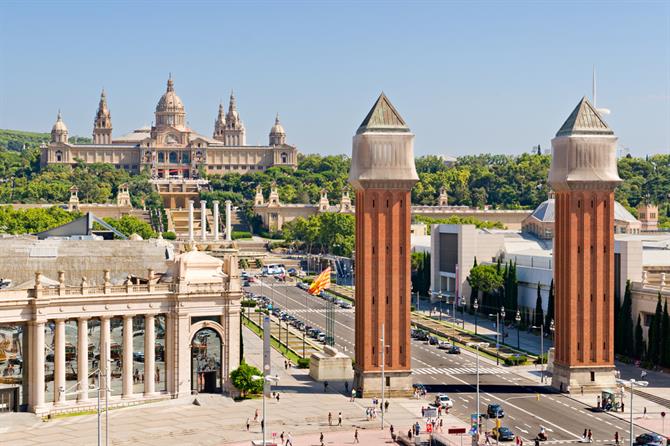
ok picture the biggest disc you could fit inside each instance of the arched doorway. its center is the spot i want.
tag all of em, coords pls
(206, 369)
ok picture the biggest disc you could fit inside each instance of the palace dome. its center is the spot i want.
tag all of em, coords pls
(59, 126)
(170, 102)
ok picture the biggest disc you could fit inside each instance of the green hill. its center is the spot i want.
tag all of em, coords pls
(16, 140)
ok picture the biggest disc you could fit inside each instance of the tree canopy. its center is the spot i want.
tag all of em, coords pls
(242, 379)
(30, 221)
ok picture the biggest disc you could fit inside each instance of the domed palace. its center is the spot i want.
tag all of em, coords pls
(170, 149)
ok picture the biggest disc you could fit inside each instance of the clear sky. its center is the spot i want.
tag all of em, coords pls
(468, 77)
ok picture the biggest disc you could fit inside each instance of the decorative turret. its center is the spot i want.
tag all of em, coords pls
(73, 204)
(443, 199)
(274, 195)
(220, 124)
(277, 133)
(258, 199)
(102, 126)
(59, 131)
(324, 204)
(345, 201)
(123, 196)
(234, 128)
(648, 215)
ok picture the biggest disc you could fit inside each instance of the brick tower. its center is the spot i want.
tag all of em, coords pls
(584, 175)
(382, 174)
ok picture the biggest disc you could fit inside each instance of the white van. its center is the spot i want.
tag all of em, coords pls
(274, 269)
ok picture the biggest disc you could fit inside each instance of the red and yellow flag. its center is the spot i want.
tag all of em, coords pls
(321, 282)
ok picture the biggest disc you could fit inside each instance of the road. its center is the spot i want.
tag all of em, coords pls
(564, 418)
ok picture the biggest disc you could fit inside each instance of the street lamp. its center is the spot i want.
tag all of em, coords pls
(269, 379)
(541, 327)
(477, 345)
(462, 302)
(502, 317)
(497, 315)
(632, 383)
(475, 306)
(517, 318)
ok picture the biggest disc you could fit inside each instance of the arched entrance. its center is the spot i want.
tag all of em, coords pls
(206, 365)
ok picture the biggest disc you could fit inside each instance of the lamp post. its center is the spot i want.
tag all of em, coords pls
(517, 318)
(270, 379)
(502, 319)
(632, 383)
(475, 306)
(497, 315)
(462, 302)
(541, 327)
(477, 345)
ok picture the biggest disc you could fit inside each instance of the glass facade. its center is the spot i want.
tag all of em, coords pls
(13, 374)
(206, 361)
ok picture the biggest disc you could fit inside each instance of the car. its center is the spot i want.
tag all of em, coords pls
(321, 337)
(443, 345)
(244, 275)
(138, 356)
(495, 411)
(649, 439)
(503, 433)
(444, 401)
(454, 350)
(346, 305)
(292, 272)
(433, 340)
(422, 335)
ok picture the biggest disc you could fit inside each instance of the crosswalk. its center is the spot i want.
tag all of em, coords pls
(459, 371)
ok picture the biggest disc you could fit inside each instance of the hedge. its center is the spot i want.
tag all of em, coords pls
(240, 234)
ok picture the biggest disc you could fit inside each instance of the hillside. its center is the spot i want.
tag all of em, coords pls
(15, 140)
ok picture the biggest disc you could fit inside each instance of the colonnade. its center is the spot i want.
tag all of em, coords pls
(38, 359)
(215, 230)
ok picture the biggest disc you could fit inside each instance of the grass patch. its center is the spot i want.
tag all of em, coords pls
(276, 344)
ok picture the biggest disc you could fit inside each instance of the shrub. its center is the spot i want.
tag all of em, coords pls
(169, 235)
(242, 379)
(248, 303)
(303, 363)
(541, 359)
(515, 360)
(236, 235)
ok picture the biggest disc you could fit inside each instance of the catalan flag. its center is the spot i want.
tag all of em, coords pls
(321, 282)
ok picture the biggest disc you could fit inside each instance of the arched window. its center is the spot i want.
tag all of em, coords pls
(59, 156)
(161, 157)
(185, 158)
(284, 158)
(173, 158)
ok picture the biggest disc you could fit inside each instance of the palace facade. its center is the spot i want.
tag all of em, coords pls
(169, 148)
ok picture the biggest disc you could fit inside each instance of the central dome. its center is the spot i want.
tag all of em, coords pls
(170, 102)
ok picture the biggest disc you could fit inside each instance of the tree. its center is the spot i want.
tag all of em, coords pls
(129, 225)
(242, 379)
(550, 308)
(654, 338)
(474, 291)
(665, 336)
(539, 313)
(625, 325)
(639, 339)
(489, 281)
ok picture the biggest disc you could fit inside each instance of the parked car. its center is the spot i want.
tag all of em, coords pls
(649, 439)
(346, 305)
(503, 433)
(495, 411)
(454, 350)
(292, 272)
(245, 275)
(321, 337)
(444, 401)
(433, 340)
(138, 356)
(443, 345)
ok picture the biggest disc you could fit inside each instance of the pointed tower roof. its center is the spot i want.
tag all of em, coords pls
(59, 125)
(584, 120)
(277, 128)
(102, 105)
(383, 117)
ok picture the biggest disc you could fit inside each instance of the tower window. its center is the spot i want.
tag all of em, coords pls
(593, 377)
(387, 203)
(373, 349)
(591, 203)
(579, 249)
(387, 300)
(373, 249)
(59, 156)
(373, 203)
(579, 203)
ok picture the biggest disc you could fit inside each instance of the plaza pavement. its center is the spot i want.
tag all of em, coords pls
(302, 409)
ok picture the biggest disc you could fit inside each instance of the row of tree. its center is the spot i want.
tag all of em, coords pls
(328, 232)
(629, 339)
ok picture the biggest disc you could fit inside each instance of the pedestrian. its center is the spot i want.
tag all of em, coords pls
(537, 441)
(423, 412)
(582, 390)
(262, 424)
(339, 419)
(281, 437)
(409, 434)
(330, 419)
(386, 406)
(622, 406)
(353, 395)
(256, 415)
(598, 401)
(321, 438)
(289, 439)
(285, 365)
(516, 440)
(439, 411)
(325, 386)
(590, 436)
(441, 425)
(616, 438)
(645, 412)
(346, 387)
(247, 424)
(277, 396)
(356, 436)
(391, 430)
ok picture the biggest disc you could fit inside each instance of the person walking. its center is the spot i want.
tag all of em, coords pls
(277, 396)
(339, 419)
(330, 419)
(409, 434)
(353, 395)
(616, 438)
(584, 435)
(281, 437)
(386, 406)
(256, 416)
(356, 436)
(247, 424)
(590, 436)
(392, 432)
(644, 414)
(321, 438)
(289, 439)
(346, 387)
(325, 386)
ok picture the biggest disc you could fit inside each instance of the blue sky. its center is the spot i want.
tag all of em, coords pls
(468, 77)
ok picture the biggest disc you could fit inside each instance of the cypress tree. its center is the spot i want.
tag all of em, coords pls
(654, 341)
(665, 336)
(618, 340)
(539, 313)
(550, 307)
(474, 292)
(639, 339)
(626, 338)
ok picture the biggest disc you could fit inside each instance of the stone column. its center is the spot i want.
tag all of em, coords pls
(37, 372)
(82, 359)
(203, 220)
(229, 230)
(59, 362)
(149, 355)
(190, 220)
(105, 342)
(127, 356)
(216, 220)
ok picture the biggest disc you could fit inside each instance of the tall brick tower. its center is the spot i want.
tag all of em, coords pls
(382, 174)
(584, 175)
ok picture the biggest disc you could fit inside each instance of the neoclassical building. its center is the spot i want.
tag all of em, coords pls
(169, 148)
(165, 333)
